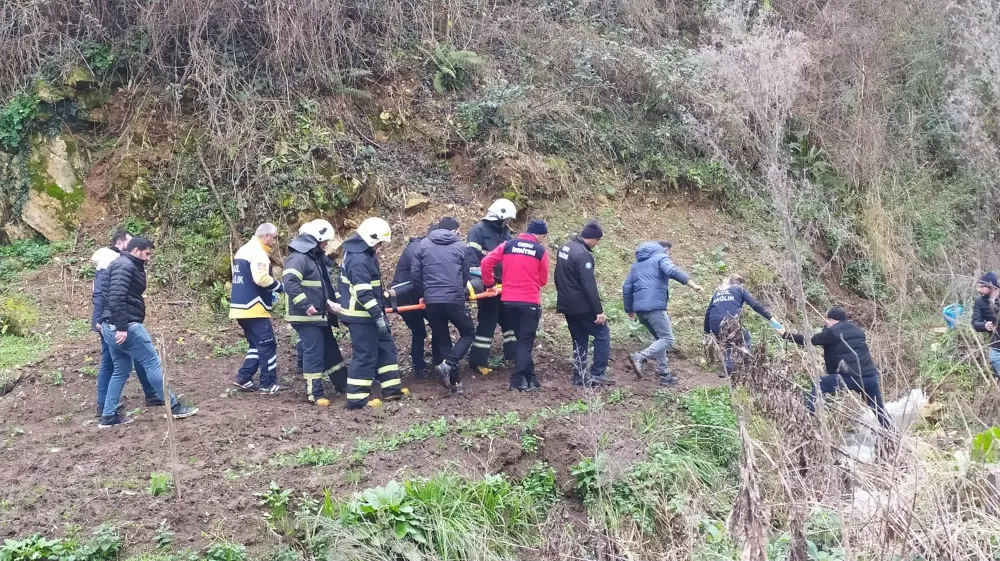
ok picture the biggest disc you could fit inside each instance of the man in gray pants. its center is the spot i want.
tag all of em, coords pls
(646, 292)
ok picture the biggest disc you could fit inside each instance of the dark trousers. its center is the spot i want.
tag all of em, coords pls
(727, 350)
(321, 358)
(581, 329)
(524, 319)
(868, 387)
(418, 332)
(491, 312)
(373, 358)
(262, 353)
(459, 315)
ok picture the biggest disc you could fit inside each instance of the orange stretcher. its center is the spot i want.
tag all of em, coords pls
(420, 305)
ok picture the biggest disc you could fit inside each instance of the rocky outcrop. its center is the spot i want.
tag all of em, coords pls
(55, 191)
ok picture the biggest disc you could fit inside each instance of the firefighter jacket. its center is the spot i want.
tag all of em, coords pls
(253, 285)
(306, 281)
(361, 291)
(483, 238)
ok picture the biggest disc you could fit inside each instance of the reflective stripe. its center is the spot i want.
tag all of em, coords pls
(370, 304)
(335, 368)
(344, 280)
(481, 338)
(299, 298)
(388, 368)
(291, 272)
(311, 319)
(312, 376)
(391, 383)
(508, 332)
(357, 396)
(361, 286)
(474, 245)
(359, 382)
(481, 345)
(376, 282)
(510, 339)
(312, 283)
(354, 313)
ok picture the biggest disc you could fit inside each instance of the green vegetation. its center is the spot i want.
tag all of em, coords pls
(313, 456)
(160, 484)
(103, 545)
(18, 351)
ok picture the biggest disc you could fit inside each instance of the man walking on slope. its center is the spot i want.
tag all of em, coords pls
(123, 331)
(485, 236)
(310, 299)
(526, 270)
(363, 310)
(646, 292)
(727, 304)
(580, 302)
(102, 259)
(440, 272)
(406, 294)
(984, 316)
(251, 300)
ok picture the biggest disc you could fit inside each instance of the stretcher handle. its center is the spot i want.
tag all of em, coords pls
(411, 308)
(488, 293)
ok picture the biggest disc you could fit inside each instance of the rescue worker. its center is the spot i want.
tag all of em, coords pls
(251, 300)
(727, 304)
(984, 316)
(579, 300)
(123, 331)
(309, 295)
(102, 258)
(363, 310)
(646, 292)
(485, 236)
(406, 295)
(848, 359)
(441, 273)
(526, 270)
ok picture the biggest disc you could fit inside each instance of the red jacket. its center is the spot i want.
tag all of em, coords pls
(525, 269)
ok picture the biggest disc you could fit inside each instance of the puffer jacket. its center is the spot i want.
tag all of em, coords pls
(646, 287)
(102, 259)
(982, 312)
(361, 293)
(306, 281)
(440, 271)
(123, 289)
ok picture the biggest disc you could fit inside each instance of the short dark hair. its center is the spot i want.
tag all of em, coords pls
(665, 244)
(141, 243)
(837, 313)
(448, 223)
(118, 236)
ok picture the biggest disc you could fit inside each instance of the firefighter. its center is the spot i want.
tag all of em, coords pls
(309, 300)
(527, 271)
(253, 295)
(363, 310)
(485, 236)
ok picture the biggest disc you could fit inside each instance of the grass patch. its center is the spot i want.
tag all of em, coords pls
(238, 348)
(18, 314)
(18, 351)
(310, 456)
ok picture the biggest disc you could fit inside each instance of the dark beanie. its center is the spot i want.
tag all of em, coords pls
(538, 227)
(592, 231)
(990, 280)
(837, 313)
(448, 223)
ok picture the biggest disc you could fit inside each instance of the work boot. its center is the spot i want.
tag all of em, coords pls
(457, 389)
(533, 384)
(273, 389)
(247, 386)
(637, 361)
(578, 381)
(396, 397)
(481, 370)
(444, 374)
(421, 374)
(518, 383)
(113, 421)
(181, 411)
(667, 379)
(600, 381)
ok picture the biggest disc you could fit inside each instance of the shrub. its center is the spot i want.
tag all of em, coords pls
(160, 484)
(18, 314)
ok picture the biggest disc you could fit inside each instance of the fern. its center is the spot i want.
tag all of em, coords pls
(455, 69)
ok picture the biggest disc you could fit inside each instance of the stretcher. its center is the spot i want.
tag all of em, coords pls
(420, 305)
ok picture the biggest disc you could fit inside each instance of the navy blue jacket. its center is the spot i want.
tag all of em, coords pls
(982, 312)
(576, 284)
(645, 288)
(845, 349)
(440, 270)
(483, 238)
(361, 292)
(406, 294)
(122, 291)
(728, 303)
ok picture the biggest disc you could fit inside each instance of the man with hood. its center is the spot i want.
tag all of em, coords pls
(485, 236)
(984, 315)
(440, 272)
(646, 292)
(363, 310)
(526, 269)
(406, 294)
(310, 299)
(727, 304)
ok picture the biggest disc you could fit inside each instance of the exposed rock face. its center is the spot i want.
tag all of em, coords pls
(56, 189)
(417, 203)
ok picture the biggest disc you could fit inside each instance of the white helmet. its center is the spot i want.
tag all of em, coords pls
(374, 230)
(501, 209)
(319, 229)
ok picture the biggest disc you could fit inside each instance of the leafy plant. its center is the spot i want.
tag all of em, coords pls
(275, 500)
(54, 377)
(225, 551)
(986, 446)
(317, 456)
(15, 118)
(619, 395)
(530, 442)
(386, 507)
(714, 429)
(160, 484)
(454, 68)
(236, 349)
(540, 484)
(164, 537)
(18, 314)
(866, 279)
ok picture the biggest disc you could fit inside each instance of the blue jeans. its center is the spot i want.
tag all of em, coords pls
(995, 361)
(107, 369)
(658, 325)
(138, 349)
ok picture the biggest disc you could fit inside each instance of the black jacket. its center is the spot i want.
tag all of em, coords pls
(982, 312)
(123, 288)
(727, 303)
(361, 290)
(402, 279)
(575, 281)
(483, 238)
(439, 270)
(307, 282)
(845, 349)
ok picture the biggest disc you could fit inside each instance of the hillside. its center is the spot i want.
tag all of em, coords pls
(832, 153)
